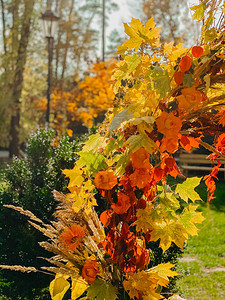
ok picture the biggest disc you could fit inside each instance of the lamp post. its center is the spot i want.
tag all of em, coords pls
(50, 21)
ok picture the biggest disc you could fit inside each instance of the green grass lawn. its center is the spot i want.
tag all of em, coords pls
(202, 266)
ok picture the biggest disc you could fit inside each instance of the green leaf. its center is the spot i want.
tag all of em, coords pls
(95, 142)
(58, 288)
(186, 190)
(161, 81)
(93, 161)
(132, 62)
(169, 200)
(210, 35)
(122, 116)
(122, 160)
(188, 80)
(102, 290)
(114, 144)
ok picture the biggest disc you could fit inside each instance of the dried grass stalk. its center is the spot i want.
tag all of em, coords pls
(19, 268)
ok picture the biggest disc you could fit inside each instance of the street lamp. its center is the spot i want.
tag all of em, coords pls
(50, 22)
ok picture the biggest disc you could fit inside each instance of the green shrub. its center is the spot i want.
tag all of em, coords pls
(28, 183)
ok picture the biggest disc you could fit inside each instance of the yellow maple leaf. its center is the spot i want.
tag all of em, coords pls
(75, 176)
(188, 217)
(173, 52)
(164, 271)
(144, 221)
(169, 232)
(140, 34)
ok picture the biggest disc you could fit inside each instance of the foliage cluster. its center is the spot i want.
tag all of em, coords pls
(29, 182)
(168, 98)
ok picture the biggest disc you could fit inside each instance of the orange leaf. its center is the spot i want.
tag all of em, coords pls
(140, 159)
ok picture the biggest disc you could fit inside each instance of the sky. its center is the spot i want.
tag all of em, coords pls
(127, 10)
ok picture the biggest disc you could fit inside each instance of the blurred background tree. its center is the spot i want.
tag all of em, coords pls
(23, 59)
(171, 15)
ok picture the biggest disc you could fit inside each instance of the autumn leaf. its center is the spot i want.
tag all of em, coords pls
(210, 35)
(199, 10)
(188, 80)
(164, 271)
(173, 52)
(75, 176)
(122, 160)
(122, 116)
(188, 217)
(94, 143)
(161, 80)
(93, 162)
(132, 62)
(58, 287)
(135, 142)
(79, 286)
(168, 232)
(144, 221)
(102, 290)
(140, 34)
(186, 190)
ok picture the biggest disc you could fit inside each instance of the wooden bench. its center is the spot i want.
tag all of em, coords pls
(199, 162)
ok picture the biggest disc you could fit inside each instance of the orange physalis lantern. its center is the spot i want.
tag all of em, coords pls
(197, 51)
(169, 125)
(123, 203)
(105, 180)
(185, 63)
(178, 77)
(140, 159)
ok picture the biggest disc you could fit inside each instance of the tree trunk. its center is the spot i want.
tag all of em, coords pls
(4, 27)
(103, 30)
(67, 43)
(18, 78)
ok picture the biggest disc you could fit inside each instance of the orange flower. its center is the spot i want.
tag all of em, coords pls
(140, 178)
(221, 116)
(71, 236)
(189, 97)
(105, 180)
(90, 271)
(169, 125)
(122, 205)
(140, 159)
